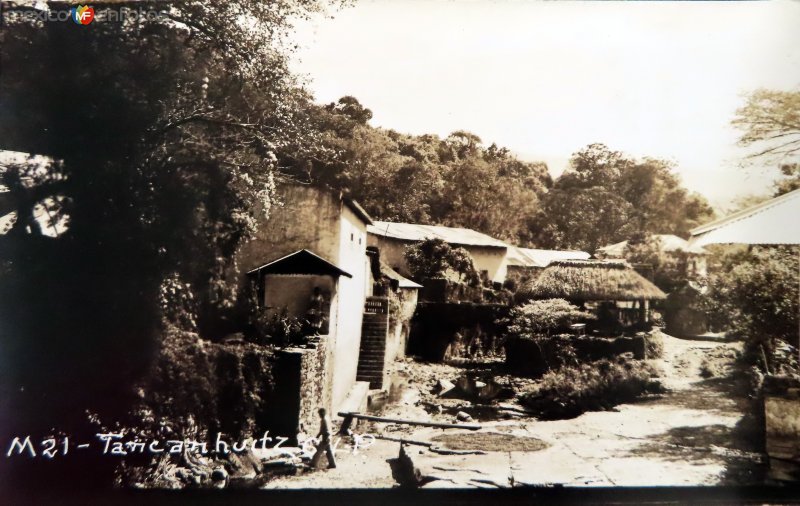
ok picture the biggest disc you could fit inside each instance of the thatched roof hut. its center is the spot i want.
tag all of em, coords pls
(591, 280)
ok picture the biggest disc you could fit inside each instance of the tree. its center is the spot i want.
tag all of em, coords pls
(539, 318)
(434, 258)
(606, 196)
(670, 269)
(165, 141)
(754, 293)
(770, 121)
(421, 179)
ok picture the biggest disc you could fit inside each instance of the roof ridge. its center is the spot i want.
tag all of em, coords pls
(745, 213)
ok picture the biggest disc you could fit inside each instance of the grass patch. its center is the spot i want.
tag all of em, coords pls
(490, 442)
(573, 390)
(718, 363)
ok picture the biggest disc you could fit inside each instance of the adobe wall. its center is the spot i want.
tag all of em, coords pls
(292, 294)
(308, 219)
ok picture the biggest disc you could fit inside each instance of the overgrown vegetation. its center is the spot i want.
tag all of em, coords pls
(654, 344)
(573, 390)
(194, 390)
(169, 192)
(754, 293)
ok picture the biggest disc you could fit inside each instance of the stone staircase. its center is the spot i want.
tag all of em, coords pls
(374, 329)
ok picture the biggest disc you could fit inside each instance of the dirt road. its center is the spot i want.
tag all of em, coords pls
(696, 434)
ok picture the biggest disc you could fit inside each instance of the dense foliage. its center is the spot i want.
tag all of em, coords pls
(606, 196)
(754, 294)
(571, 391)
(455, 181)
(435, 258)
(165, 140)
(540, 318)
(670, 269)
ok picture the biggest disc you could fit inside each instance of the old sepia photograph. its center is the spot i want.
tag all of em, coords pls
(399, 252)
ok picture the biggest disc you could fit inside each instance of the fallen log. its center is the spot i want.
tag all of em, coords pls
(348, 419)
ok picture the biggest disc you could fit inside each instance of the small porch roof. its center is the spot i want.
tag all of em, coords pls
(301, 262)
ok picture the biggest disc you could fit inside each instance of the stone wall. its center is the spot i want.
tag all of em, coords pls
(402, 305)
(303, 386)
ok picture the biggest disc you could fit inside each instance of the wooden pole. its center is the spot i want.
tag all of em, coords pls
(467, 426)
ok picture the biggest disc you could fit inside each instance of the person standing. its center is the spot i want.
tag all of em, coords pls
(324, 442)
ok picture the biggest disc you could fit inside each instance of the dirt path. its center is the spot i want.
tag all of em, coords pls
(696, 434)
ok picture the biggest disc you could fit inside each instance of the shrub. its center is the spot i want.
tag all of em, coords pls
(541, 317)
(434, 258)
(534, 357)
(654, 344)
(573, 390)
(755, 294)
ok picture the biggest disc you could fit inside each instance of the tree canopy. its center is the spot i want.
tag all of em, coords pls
(455, 181)
(606, 196)
(770, 124)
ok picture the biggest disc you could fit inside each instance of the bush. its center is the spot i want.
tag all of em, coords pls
(654, 344)
(573, 390)
(541, 317)
(195, 388)
(534, 357)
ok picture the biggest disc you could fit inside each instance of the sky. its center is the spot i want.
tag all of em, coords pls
(544, 79)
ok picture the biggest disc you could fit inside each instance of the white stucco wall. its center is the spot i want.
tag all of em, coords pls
(352, 292)
(308, 219)
(492, 260)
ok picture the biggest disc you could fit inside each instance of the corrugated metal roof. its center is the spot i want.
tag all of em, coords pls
(528, 257)
(451, 235)
(771, 222)
(669, 243)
